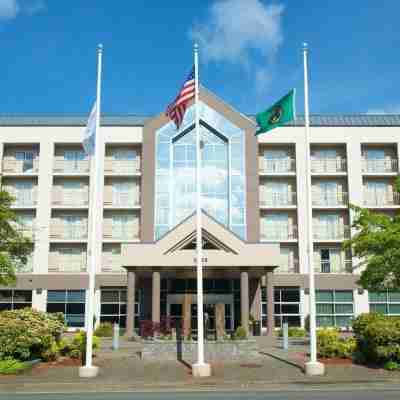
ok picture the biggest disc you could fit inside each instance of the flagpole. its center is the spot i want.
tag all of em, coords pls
(96, 176)
(313, 367)
(200, 369)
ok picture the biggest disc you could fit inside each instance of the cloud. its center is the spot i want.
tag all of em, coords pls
(390, 109)
(10, 9)
(234, 28)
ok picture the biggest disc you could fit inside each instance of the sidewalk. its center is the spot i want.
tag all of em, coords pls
(122, 370)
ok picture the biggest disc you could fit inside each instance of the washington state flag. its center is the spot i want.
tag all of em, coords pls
(279, 114)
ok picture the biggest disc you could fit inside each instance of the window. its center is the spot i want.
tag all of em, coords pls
(15, 299)
(334, 308)
(24, 193)
(276, 227)
(124, 155)
(73, 259)
(69, 302)
(286, 306)
(113, 306)
(26, 157)
(329, 260)
(74, 227)
(375, 160)
(73, 158)
(277, 161)
(387, 303)
(123, 226)
(223, 186)
(124, 193)
(73, 192)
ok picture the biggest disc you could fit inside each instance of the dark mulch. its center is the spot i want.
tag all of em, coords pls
(336, 361)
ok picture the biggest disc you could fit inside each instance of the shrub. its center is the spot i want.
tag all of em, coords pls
(28, 333)
(105, 329)
(330, 344)
(378, 337)
(78, 344)
(11, 366)
(293, 332)
(391, 365)
(240, 333)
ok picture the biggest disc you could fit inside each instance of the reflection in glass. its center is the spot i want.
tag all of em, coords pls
(223, 180)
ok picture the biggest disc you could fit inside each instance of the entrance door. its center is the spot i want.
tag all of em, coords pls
(209, 316)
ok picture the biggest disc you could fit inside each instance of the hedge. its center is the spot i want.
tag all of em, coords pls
(377, 337)
(27, 334)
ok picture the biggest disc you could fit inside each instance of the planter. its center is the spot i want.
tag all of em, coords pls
(220, 350)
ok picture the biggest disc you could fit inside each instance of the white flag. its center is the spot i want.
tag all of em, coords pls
(89, 136)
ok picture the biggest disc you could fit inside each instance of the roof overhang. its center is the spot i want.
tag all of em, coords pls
(229, 251)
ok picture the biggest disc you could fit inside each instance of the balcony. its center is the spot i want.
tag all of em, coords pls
(24, 199)
(276, 199)
(112, 263)
(376, 199)
(123, 200)
(328, 267)
(382, 165)
(332, 232)
(79, 198)
(121, 234)
(20, 166)
(27, 231)
(124, 167)
(66, 264)
(330, 199)
(279, 233)
(74, 167)
(68, 232)
(328, 165)
(278, 166)
(291, 268)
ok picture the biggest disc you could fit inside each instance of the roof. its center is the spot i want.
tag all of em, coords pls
(137, 120)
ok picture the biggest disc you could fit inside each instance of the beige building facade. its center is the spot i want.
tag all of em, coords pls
(254, 203)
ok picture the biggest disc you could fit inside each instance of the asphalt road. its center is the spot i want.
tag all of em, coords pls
(281, 395)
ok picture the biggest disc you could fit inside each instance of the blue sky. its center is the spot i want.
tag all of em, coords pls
(250, 52)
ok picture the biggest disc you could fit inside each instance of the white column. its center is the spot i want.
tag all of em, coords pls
(39, 299)
(43, 208)
(313, 367)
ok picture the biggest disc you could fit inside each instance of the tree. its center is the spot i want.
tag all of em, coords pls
(14, 247)
(377, 244)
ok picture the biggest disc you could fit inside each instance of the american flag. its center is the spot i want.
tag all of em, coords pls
(176, 110)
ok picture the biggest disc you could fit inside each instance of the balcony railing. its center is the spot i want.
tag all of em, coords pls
(24, 198)
(27, 231)
(291, 268)
(68, 232)
(330, 267)
(383, 165)
(328, 165)
(124, 200)
(330, 199)
(78, 198)
(67, 265)
(122, 166)
(333, 232)
(71, 166)
(121, 234)
(112, 263)
(20, 166)
(279, 233)
(276, 199)
(277, 166)
(381, 199)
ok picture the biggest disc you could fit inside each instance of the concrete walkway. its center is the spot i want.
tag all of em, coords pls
(122, 370)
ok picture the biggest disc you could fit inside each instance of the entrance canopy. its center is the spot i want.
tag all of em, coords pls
(222, 250)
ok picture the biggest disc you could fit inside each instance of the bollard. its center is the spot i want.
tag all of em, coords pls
(285, 336)
(115, 339)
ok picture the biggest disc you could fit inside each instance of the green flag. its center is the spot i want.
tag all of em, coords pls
(279, 114)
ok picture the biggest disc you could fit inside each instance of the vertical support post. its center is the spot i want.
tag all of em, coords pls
(244, 300)
(155, 302)
(200, 369)
(115, 338)
(313, 367)
(285, 336)
(130, 304)
(270, 304)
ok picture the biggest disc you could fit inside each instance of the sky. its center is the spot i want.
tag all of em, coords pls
(250, 53)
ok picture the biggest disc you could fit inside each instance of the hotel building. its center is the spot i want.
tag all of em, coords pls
(254, 219)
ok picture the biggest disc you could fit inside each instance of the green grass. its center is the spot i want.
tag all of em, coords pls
(10, 366)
